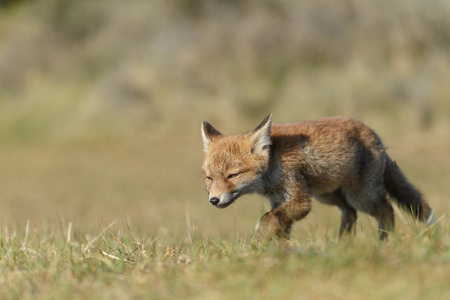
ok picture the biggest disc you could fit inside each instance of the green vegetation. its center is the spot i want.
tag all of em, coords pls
(63, 262)
(100, 111)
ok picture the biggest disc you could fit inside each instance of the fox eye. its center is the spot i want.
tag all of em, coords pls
(208, 178)
(232, 175)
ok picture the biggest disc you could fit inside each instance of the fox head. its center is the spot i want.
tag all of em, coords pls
(234, 164)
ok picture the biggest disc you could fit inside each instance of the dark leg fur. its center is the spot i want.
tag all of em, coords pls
(348, 213)
(385, 219)
(348, 220)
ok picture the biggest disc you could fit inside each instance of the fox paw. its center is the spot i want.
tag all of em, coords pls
(270, 228)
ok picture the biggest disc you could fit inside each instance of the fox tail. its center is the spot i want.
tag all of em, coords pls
(406, 195)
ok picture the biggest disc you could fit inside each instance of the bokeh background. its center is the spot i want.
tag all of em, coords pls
(101, 101)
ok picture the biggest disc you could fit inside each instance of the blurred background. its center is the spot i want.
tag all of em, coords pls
(101, 101)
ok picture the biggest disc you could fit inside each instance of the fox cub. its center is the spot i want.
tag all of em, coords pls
(339, 161)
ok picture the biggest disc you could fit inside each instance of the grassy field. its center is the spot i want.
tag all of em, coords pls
(59, 261)
(165, 241)
(101, 192)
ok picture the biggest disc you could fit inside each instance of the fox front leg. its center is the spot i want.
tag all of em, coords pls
(270, 227)
(278, 222)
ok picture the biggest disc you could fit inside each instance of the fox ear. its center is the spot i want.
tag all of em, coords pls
(260, 137)
(208, 134)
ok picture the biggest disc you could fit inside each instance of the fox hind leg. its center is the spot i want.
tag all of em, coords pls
(385, 219)
(348, 213)
(373, 201)
(348, 220)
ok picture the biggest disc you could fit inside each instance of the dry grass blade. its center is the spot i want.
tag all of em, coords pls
(112, 256)
(27, 231)
(400, 214)
(431, 226)
(108, 255)
(90, 242)
(117, 240)
(69, 232)
(188, 225)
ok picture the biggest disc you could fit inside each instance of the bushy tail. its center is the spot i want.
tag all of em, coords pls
(407, 196)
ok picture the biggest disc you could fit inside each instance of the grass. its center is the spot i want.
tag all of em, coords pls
(48, 261)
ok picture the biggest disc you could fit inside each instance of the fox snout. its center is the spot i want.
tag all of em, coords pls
(221, 201)
(224, 199)
(214, 201)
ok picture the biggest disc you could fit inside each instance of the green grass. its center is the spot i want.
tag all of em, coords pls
(116, 262)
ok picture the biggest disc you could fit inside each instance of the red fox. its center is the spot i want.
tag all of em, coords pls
(339, 161)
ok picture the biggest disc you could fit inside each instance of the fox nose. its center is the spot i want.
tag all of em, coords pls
(214, 201)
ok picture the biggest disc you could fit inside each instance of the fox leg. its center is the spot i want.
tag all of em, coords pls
(372, 200)
(348, 213)
(385, 219)
(348, 219)
(278, 222)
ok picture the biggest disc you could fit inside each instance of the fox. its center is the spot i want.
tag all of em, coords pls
(339, 161)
